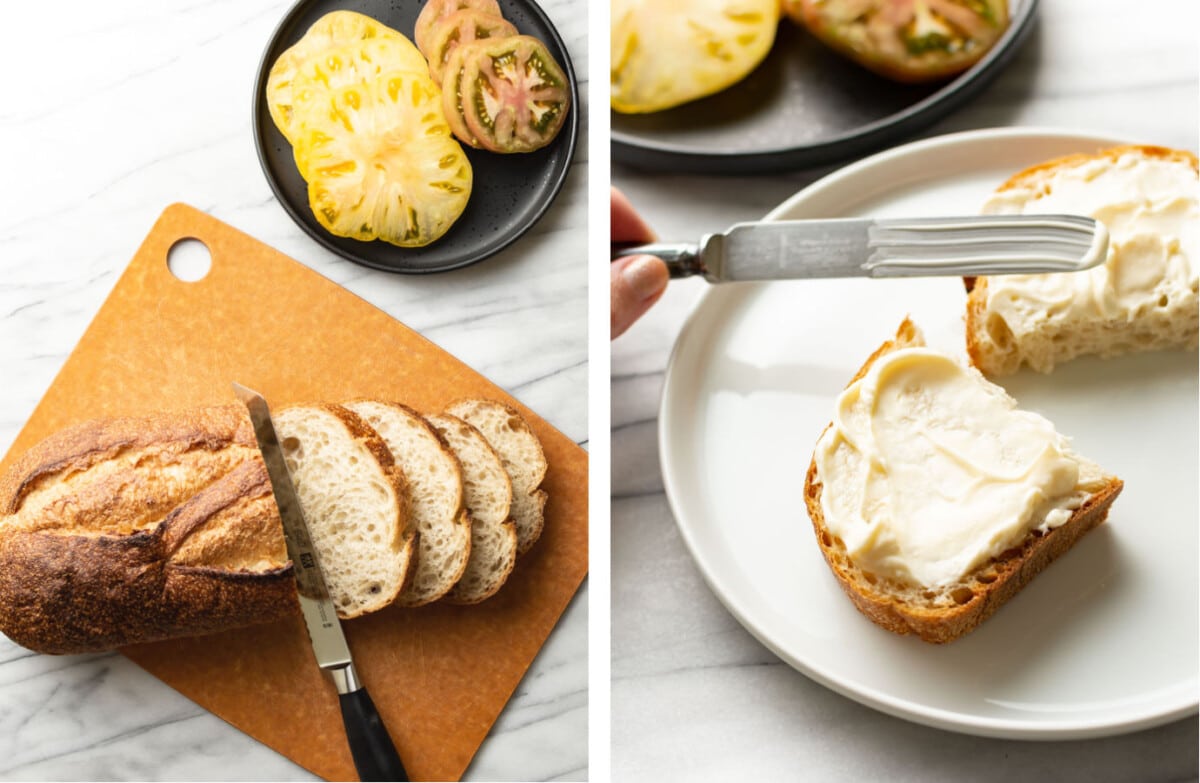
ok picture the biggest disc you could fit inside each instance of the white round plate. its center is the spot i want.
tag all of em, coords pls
(1102, 642)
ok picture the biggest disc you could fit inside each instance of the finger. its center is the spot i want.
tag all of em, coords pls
(627, 225)
(637, 283)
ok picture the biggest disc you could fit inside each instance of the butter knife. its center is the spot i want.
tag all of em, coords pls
(374, 753)
(892, 247)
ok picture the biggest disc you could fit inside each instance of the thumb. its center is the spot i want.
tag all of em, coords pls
(637, 282)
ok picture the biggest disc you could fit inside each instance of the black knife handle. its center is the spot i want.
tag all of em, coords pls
(375, 755)
(682, 259)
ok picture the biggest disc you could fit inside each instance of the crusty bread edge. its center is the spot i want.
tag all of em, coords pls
(977, 287)
(1013, 569)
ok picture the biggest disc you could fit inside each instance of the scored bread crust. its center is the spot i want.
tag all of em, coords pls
(943, 615)
(983, 351)
(93, 569)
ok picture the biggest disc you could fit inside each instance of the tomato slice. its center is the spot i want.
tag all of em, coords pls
(382, 164)
(435, 10)
(463, 27)
(512, 94)
(906, 40)
(452, 97)
(668, 52)
(334, 29)
(343, 66)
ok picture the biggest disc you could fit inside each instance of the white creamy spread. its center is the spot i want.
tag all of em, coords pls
(929, 470)
(1151, 209)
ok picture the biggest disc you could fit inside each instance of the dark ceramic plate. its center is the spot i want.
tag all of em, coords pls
(510, 192)
(803, 106)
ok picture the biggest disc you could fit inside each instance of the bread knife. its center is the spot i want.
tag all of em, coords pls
(374, 753)
(892, 247)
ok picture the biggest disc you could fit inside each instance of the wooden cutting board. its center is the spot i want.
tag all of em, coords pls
(440, 675)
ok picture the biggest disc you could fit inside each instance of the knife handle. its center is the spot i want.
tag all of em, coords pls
(682, 258)
(375, 756)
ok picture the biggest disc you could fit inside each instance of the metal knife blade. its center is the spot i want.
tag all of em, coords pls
(894, 247)
(371, 746)
(320, 615)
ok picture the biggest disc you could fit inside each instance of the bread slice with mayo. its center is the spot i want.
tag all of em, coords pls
(934, 499)
(1144, 297)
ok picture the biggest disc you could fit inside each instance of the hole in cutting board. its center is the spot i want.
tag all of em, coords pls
(189, 260)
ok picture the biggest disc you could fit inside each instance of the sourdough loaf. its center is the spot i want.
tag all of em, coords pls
(137, 529)
(435, 497)
(488, 495)
(938, 609)
(1143, 298)
(130, 530)
(521, 453)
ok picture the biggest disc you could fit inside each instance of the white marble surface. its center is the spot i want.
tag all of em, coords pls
(114, 110)
(694, 696)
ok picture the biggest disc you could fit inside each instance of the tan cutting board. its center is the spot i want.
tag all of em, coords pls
(440, 675)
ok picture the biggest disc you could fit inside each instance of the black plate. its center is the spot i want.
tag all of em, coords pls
(803, 106)
(510, 192)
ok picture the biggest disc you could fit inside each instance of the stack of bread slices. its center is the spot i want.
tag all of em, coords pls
(128, 530)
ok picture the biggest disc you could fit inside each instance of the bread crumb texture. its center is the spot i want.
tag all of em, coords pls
(1142, 298)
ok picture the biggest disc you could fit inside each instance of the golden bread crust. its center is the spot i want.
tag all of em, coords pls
(91, 571)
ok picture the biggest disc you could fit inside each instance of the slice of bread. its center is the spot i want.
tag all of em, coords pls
(488, 495)
(949, 611)
(523, 458)
(1143, 298)
(435, 497)
(354, 499)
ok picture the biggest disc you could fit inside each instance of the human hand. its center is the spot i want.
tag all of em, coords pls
(637, 282)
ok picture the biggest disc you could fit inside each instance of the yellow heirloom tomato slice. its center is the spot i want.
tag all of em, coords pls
(381, 162)
(435, 10)
(906, 40)
(334, 29)
(345, 66)
(512, 93)
(668, 52)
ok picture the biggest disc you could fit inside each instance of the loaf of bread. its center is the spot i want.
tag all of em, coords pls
(1143, 298)
(121, 531)
(928, 547)
(131, 530)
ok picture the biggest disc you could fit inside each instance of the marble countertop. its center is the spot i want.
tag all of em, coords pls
(115, 110)
(694, 695)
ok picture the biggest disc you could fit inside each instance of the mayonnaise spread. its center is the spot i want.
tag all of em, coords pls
(929, 470)
(1151, 209)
